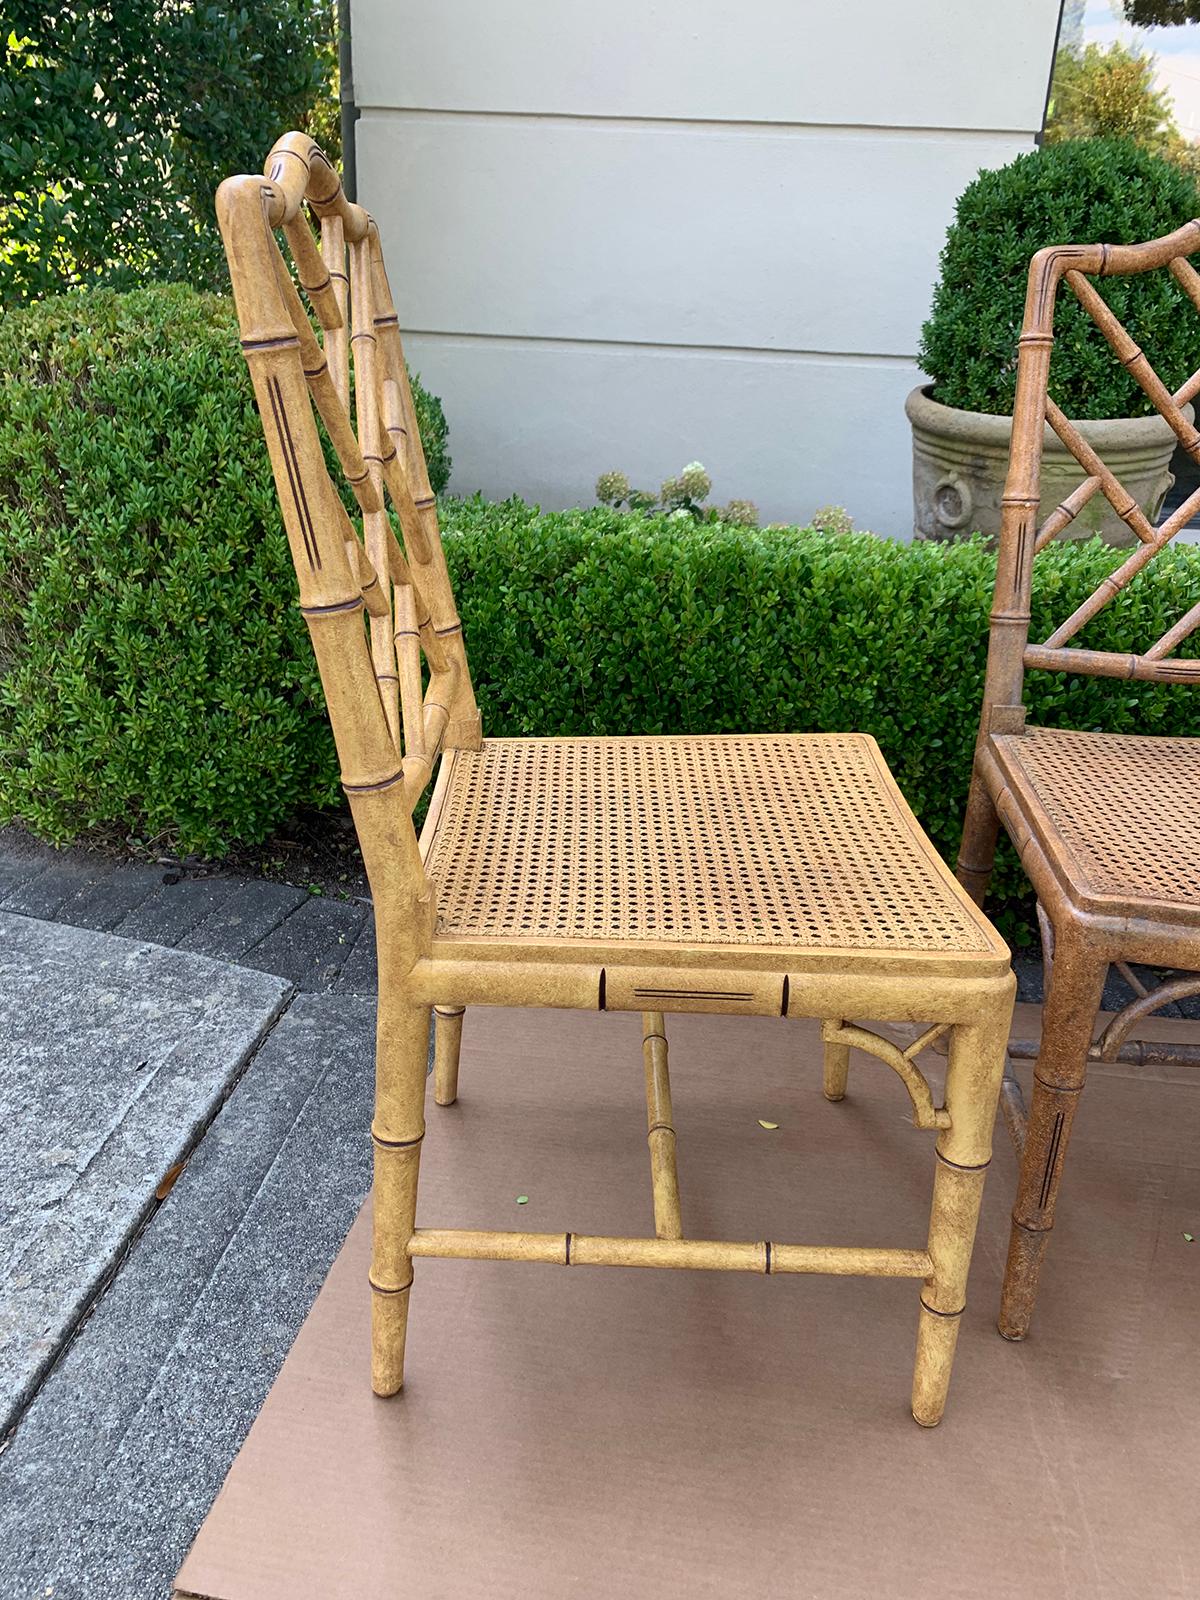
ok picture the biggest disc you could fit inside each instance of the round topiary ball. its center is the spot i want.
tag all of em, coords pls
(1086, 191)
(156, 679)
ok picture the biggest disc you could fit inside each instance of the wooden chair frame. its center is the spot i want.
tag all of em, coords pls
(389, 731)
(1082, 933)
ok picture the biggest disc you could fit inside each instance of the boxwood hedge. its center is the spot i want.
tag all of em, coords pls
(156, 679)
(154, 676)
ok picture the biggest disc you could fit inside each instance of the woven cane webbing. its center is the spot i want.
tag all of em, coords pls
(796, 840)
(1126, 808)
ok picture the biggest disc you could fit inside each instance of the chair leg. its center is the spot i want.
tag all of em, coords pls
(1068, 1021)
(447, 1041)
(837, 1068)
(973, 1075)
(401, 1058)
(977, 852)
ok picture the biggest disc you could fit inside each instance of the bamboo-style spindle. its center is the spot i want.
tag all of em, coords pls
(660, 1127)
(447, 1041)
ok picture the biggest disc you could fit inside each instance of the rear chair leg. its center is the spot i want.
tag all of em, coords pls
(837, 1068)
(1068, 1021)
(447, 1040)
(401, 1058)
(964, 1149)
(981, 829)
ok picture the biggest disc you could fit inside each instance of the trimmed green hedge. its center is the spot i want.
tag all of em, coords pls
(156, 678)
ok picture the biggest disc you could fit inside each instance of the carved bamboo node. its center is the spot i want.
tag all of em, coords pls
(925, 1113)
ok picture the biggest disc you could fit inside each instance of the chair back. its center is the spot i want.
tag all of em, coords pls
(1021, 538)
(389, 723)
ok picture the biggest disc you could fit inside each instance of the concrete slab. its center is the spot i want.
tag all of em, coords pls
(115, 1463)
(117, 1055)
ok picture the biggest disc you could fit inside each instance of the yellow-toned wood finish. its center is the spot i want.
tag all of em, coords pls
(1105, 824)
(761, 875)
(660, 1128)
(448, 1026)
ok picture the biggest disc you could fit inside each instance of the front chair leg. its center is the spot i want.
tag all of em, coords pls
(1068, 1021)
(401, 1058)
(964, 1149)
(447, 1041)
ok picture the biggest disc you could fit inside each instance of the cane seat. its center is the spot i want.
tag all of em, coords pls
(1115, 813)
(788, 841)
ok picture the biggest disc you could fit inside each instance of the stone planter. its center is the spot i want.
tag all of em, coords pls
(960, 460)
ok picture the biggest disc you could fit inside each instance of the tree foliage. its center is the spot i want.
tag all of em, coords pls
(117, 122)
(1161, 13)
(1108, 94)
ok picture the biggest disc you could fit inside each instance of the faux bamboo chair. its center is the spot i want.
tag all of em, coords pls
(760, 876)
(1106, 824)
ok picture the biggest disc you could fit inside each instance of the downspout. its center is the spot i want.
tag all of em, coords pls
(1039, 136)
(349, 110)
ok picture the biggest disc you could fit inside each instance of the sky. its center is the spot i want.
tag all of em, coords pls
(1177, 50)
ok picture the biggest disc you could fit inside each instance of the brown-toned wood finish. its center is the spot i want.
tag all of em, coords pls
(765, 875)
(1105, 824)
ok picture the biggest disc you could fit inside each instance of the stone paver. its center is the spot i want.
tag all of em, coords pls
(312, 946)
(102, 905)
(172, 912)
(65, 874)
(116, 1462)
(359, 975)
(251, 912)
(116, 1055)
(21, 856)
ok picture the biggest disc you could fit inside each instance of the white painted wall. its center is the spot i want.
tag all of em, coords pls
(638, 234)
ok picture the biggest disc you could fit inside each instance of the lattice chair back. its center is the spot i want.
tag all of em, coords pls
(389, 725)
(1021, 538)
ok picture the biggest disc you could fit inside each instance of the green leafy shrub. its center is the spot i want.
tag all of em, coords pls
(1081, 192)
(724, 630)
(120, 120)
(155, 676)
(1107, 92)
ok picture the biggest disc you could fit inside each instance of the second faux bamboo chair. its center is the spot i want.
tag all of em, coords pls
(1107, 825)
(771, 875)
